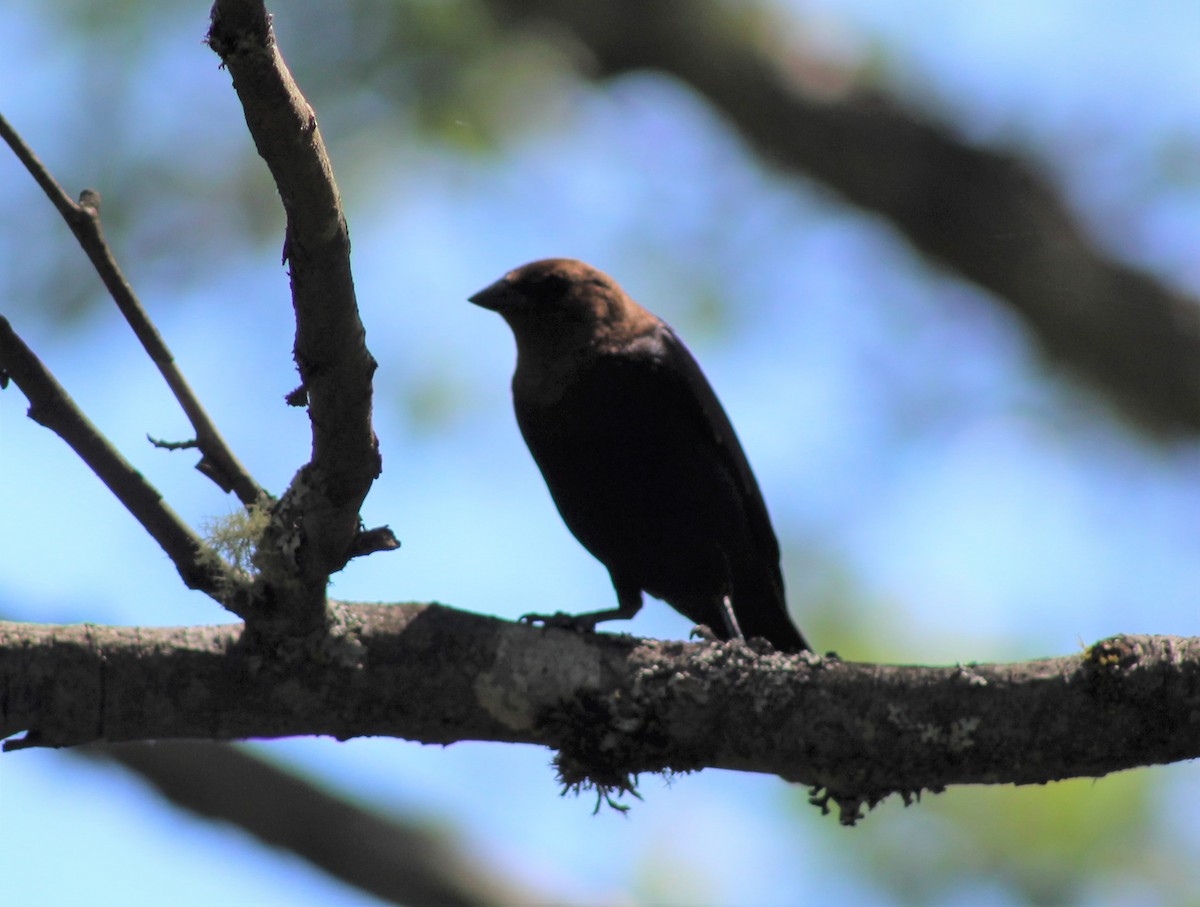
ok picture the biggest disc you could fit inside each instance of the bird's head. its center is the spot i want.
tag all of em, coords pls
(562, 306)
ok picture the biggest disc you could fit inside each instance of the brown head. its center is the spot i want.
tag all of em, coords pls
(565, 305)
(562, 312)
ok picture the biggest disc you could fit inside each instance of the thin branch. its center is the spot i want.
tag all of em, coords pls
(218, 462)
(319, 516)
(615, 706)
(400, 860)
(985, 215)
(51, 406)
(173, 445)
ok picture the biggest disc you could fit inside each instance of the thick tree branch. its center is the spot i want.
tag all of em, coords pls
(615, 706)
(51, 406)
(319, 516)
(980, 213)
(401, 861)
(218, 461)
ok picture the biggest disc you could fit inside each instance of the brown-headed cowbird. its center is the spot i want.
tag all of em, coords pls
(638, 454)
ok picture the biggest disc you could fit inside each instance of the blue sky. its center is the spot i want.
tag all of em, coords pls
(923, 473)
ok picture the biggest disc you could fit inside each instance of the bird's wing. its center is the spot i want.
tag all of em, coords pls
(693, 393)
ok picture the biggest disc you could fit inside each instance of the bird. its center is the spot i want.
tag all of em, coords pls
(639, 456)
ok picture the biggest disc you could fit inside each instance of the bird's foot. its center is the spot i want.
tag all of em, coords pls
(706, 633)
(579, 623)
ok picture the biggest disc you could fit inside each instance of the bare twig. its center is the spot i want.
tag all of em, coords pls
(403, 861)
(218, 462)
(318, 518)
(615, 706)
(50, 405)
(985, 215)
(173, 445)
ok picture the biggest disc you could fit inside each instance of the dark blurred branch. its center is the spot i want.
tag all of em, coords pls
(318, 519)
(218, 461)
(983, 214)
(401, 861)
(615, 706)
(51, 406)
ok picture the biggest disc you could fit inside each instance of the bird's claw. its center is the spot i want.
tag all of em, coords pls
(559, 620)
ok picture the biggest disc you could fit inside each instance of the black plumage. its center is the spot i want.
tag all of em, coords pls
(639, 456)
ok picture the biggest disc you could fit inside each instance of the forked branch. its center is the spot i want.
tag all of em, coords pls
(319, 515)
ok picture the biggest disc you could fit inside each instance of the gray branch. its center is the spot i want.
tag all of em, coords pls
(50, 405)
(614, 706)
(316, 523)
(219, 462)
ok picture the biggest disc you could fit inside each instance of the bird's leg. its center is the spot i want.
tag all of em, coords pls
(733, 629)
(629, 603)
(730, 619)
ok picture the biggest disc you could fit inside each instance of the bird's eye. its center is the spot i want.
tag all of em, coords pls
(550, 288)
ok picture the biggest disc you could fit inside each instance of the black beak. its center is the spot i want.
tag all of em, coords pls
(498, 296)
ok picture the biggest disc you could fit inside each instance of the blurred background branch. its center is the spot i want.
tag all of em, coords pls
(399, 860)
(986, 215)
